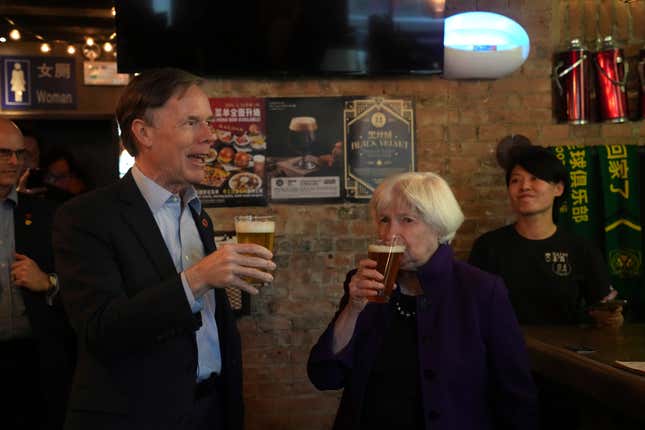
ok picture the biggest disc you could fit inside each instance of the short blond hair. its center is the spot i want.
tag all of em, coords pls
(426, 192)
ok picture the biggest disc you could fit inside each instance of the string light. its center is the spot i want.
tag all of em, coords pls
(90, 47)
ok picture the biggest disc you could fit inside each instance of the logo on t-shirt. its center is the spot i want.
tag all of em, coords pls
(559, 262)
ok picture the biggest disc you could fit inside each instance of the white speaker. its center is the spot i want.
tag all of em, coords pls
(482, 45)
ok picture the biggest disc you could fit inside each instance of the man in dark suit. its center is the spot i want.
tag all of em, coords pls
(36, 342)
(144, 284)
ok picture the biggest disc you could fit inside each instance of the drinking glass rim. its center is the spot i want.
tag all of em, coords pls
(254, 217)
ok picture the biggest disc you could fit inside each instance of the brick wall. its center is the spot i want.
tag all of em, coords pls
(458, 127)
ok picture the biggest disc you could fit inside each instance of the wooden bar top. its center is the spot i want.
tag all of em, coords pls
(591, 369)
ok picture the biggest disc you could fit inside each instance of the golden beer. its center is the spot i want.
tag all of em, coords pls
(255, 229)
(388, 259)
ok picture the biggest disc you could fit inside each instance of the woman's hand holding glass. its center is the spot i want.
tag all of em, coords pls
(366, 282)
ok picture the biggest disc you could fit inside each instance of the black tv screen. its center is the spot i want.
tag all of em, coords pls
(267, 38)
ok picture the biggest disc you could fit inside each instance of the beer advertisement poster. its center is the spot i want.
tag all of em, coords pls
(379, 142)
(235, 165)
(305, 159)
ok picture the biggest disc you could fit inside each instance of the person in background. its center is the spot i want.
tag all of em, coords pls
(63, 174)
(144, 283)
(552, 275)
(446, 352)
(36, 342)
(30, 164)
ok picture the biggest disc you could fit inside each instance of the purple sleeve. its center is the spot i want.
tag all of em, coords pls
(326, 370)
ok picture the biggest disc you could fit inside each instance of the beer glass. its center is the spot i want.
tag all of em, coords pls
(258, 229)
(387, 254)
(302, 135)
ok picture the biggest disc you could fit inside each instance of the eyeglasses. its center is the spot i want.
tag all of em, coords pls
(5, 154)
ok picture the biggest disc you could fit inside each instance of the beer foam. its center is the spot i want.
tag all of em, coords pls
(303, 123)
(384, 249)
(255, 226)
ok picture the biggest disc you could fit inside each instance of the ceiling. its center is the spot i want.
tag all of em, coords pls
(58, 20)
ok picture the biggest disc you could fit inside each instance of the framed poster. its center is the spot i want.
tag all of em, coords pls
(379, 142)
(235, 166)
(38, 83)
(103, 73)
(305, 149)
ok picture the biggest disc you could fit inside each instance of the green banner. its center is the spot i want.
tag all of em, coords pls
(581, 210)
(619, 171)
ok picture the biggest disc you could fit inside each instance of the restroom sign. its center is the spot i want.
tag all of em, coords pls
(38, 83)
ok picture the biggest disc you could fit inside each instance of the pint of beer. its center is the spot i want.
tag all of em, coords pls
(387, 254)
(258, 229)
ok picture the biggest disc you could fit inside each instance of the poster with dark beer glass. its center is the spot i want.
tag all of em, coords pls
(305, 159)
(379, 142)
(235, 165)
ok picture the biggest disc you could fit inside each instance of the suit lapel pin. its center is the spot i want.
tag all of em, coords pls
(28, 219)
(204, 222)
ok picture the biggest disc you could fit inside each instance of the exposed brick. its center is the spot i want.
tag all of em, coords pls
(554, 131)
(616, 130)
(458, 126)
(604, 14)
(638, 15)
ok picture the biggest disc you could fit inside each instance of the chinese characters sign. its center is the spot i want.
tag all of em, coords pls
(579, 210)
(38, 83)
(621, 188)
(235, 165)
(603, 205)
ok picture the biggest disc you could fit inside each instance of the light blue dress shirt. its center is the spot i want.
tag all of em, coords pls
(177, 226)
(14, 323)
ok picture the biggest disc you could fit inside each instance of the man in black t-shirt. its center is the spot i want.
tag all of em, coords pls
(552, 275)
(550, 280)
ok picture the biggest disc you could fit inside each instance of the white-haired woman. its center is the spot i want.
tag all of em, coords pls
(446, 351)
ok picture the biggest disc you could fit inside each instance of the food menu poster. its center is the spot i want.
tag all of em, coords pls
(305, 149)
(235, 165)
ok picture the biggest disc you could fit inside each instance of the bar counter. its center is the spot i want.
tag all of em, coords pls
(582, 359)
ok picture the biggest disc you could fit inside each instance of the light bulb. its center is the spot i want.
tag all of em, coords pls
(45, 48)
(107, 47)
(89, 41)
(71, 50)
(15, 34)
(3, 39)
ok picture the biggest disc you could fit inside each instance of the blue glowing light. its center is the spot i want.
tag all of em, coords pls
(483, 45)
(467, 31)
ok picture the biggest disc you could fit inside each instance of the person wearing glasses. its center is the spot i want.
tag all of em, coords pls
(36, 342)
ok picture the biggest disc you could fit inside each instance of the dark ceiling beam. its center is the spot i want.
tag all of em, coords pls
(55, 11)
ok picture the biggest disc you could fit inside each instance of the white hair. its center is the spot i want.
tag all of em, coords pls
(426, 192)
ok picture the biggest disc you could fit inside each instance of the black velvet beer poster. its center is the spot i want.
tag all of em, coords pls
(378, 142)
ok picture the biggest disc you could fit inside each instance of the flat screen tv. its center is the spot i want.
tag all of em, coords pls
(290, 38)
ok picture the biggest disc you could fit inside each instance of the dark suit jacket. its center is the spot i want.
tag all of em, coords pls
(137, 356)
(474, 368)
(33, 234)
